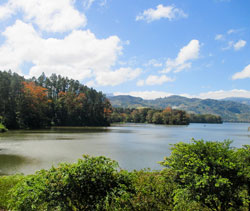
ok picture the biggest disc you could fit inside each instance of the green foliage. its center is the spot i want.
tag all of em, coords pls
(2, 128)
(81, 186)
(205, 118)
(199, 176)
(152, 191)
(148, 115)
(6, 183)
(228, 110)
(47, 101)
(209, 173)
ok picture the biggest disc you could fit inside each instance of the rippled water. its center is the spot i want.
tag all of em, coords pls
(134, 146)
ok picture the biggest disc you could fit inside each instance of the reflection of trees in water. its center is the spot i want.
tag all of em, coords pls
(10, 164)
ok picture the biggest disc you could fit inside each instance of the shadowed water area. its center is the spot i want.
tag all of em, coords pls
(134, 146)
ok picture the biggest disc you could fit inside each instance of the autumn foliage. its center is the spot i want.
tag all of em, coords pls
(49, 101)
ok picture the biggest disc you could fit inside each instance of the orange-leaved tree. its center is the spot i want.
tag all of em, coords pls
(34, 106)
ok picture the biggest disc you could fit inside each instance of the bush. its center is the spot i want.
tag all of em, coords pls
(208, 173)
(153, 191)
(2, 128)
(6, 183)
(81, 186)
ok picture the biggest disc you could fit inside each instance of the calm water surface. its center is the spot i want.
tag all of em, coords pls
(134, 146)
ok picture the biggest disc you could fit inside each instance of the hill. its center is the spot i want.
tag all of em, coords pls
(230, 111)
(239, 100)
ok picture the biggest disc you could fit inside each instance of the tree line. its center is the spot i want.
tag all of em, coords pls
(50, 101)
(59, 101)
(167, 116)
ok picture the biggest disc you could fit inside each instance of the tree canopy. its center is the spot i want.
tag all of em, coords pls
(50, 101)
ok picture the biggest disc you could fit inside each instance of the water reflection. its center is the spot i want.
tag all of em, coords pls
(134, 146)
(10, 164)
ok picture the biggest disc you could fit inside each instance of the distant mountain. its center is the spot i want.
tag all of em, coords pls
(228, 110)
(239, 100)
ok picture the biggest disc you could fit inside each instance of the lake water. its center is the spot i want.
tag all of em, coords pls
(134, 146)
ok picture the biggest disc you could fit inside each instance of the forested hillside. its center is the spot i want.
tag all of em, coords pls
(47, 101)
(242, 100)
(228, 110)
(168, 116)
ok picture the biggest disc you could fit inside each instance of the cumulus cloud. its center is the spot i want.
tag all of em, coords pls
(161, 11)
(5, 11)
(116, 77)
(154, 80)
(79, 55)
(157, 80)
(220, 94)
(50, 16)
(245, 73)
(185, 56)
(147, 95)
(240, 44)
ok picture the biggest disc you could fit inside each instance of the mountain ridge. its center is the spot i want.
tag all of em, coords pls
(230, 111)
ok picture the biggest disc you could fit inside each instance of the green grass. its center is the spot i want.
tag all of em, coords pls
(2, 128)
(6, 183)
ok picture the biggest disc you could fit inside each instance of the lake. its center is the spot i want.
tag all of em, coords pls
(134, 146)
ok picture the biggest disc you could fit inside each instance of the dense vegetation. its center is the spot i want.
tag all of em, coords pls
(59, 101)
(2, 128)
(47, 101)
(196, 176)
(204, 118)
(167, 116)
(242, 100)
(229, 111)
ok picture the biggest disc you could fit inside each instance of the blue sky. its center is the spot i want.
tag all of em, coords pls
(145, 48)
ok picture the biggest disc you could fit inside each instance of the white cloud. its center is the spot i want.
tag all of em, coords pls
(79, 55)
(231, 31)
(87, 3)
(240, 44)
(219, 37)
(235, 45)
(169, 12)
(157, 80)
(229, 46)
(220, 94)
(5, 11)
(154, 63)
(116, 77)
(140, 83)
(50, 16)
(148, 95)
(234, 31)
(186, 54)
(245, 73)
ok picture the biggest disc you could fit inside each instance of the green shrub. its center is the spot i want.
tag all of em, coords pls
(153, 191)
(6, 183)
(208, 173)
(2, 128)
(81, 186)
